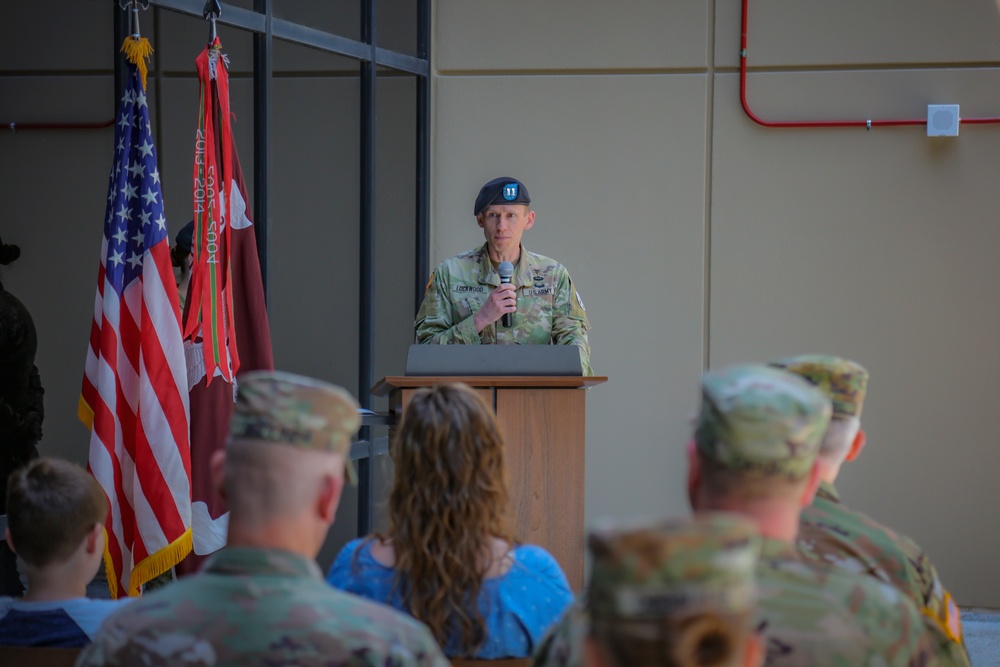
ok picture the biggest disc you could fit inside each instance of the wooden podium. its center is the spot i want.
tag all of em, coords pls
(543, 421)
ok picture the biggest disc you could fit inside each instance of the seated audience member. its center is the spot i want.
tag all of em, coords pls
(261, 600)
(678, 593)
(448, 557)
(753, 453)
(56, 513)
(837, 535)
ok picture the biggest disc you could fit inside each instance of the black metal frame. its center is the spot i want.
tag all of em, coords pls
(265, 28)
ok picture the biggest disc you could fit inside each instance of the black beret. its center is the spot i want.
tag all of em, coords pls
(185, 237)
(503, 190)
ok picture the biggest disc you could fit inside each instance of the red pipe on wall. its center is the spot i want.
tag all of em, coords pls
(14, 127)
(868, 124)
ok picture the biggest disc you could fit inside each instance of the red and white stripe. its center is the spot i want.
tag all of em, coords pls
(135, 385)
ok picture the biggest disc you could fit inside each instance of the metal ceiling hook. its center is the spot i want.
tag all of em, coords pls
(133, 20)
(212, 11)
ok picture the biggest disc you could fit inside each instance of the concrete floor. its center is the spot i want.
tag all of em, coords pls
(981, 628)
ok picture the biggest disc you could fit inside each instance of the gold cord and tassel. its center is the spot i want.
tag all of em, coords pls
(138, 50)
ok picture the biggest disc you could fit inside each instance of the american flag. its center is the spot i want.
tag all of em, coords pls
(135, 397)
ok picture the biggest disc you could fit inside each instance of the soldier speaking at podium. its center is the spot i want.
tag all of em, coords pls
(468, 302)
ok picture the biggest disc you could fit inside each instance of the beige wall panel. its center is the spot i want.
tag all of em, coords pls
(615, 168)
(54, 187)
(883, 247)
(477, 35)
(858, 32)
(61, 35)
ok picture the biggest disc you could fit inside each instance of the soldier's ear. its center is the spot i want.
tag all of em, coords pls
(10, 540)
(753, 651)
(531, 220)
(859, 443)
(812, 484)
(328, 499)
(693, 475)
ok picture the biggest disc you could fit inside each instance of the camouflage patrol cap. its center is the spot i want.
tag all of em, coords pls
(760, 420)
(842, 380)
(503, 190)
(288, 409)
(674, 567)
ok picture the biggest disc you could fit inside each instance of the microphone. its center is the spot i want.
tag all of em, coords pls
(506, 270)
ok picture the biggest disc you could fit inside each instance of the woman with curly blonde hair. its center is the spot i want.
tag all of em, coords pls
(448, 557)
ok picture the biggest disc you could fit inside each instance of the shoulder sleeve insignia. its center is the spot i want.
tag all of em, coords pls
(950, 620)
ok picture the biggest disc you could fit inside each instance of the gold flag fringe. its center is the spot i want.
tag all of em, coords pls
(85, 413)
(159, 562)
(138, 51)
(150, 567)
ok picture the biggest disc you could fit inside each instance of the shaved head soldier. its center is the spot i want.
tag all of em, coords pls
(262, 600)
(833, 533)
(753, 453)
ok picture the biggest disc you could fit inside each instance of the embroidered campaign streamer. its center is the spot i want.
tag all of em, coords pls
(210, 312)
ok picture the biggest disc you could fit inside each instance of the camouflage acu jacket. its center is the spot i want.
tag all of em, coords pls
(549, 310)
(836, 535)
(256, 607)
(808, 616)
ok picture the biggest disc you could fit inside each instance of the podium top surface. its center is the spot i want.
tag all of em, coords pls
(488, 360)
(386, 385)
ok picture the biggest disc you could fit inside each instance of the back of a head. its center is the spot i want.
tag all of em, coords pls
(8, 253)
(448, 501)
(677, 593)
(286, 432)
(51, 506)
(758, 432)
(845, 383)
(450, 441)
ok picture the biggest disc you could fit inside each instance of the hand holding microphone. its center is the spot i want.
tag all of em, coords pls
(501, 302)
(506, 270)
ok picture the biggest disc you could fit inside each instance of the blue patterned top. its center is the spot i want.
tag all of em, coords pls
(518, 606)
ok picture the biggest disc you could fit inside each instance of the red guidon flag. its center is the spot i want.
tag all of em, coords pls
(225, 322)
(134, 396)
